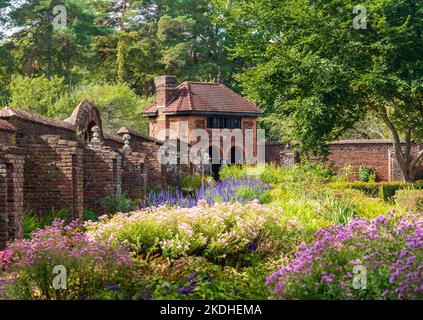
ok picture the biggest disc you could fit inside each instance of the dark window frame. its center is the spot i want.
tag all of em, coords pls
(224, 122)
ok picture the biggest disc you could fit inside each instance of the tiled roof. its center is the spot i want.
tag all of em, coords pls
(8, 113)
(151, 109)
(191, 97)
(6, 126)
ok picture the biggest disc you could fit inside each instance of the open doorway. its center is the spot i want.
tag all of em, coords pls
(236, 156)
(215, 167)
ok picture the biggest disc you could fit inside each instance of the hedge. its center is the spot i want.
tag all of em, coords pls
(411, 200)
(383, 190)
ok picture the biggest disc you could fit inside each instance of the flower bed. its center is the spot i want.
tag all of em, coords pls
(229, 191)
(227, 233)
(389, 248)
(28, 265)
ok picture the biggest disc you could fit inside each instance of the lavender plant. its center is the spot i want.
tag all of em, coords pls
(226, 191)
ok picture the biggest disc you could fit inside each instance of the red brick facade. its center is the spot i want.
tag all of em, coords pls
(48, 164)
(193, 103)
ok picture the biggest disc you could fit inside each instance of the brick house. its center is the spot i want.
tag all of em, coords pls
(203, 106)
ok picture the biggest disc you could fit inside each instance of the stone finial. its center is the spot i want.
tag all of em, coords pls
(126, 138)
(96, 134)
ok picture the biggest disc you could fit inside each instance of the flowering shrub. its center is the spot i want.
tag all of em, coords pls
(90, 265)
(5, 259)
(221, 232)
(389, 248)
(230, 190)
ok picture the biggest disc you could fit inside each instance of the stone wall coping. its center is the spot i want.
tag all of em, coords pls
(125, 130)
(109, 136)
(35, 118)
(12, 150)
(363, 141)
(6, 126)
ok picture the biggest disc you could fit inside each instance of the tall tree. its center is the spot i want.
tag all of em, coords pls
(322, 66)
(162, 36)
(49, 37)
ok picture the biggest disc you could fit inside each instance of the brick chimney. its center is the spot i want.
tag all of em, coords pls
(165, 89)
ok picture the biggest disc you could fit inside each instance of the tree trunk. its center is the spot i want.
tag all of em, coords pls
(407, 164)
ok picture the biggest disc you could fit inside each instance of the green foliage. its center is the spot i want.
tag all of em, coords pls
(89, 215)
(338, 210)
(301, 178)
(30, 224)
(366, 174)
(40, 49)
(383, 190)
(191, 182)
(410, 200)
(37, 95)
(364, 206)
(119, 203)
(118, 104)
(324, 92)
(32, 221)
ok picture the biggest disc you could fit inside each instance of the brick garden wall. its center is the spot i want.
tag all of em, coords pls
(355, 154)
(53, 167)
(376, 154)
(49, 164)
(11, 193)
(102, 176)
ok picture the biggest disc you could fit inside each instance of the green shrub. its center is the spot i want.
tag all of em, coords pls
(119, 203)
(411, 200)
(307, 177)
(89, 215)
(366, 174)
(338, 210)
(32, 221)
(383, 190)
(229, 234)
(365, 206)
(192, 278)
(191, 182)
(30, 224)
(274, 174)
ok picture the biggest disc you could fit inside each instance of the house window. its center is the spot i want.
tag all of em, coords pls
(224, 123)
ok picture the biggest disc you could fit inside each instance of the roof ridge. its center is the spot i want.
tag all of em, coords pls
(201, 82)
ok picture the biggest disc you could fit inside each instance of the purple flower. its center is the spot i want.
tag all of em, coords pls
(114, 287)
(193, 276)
(390, 245)
(252, 246)
(186, 290)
